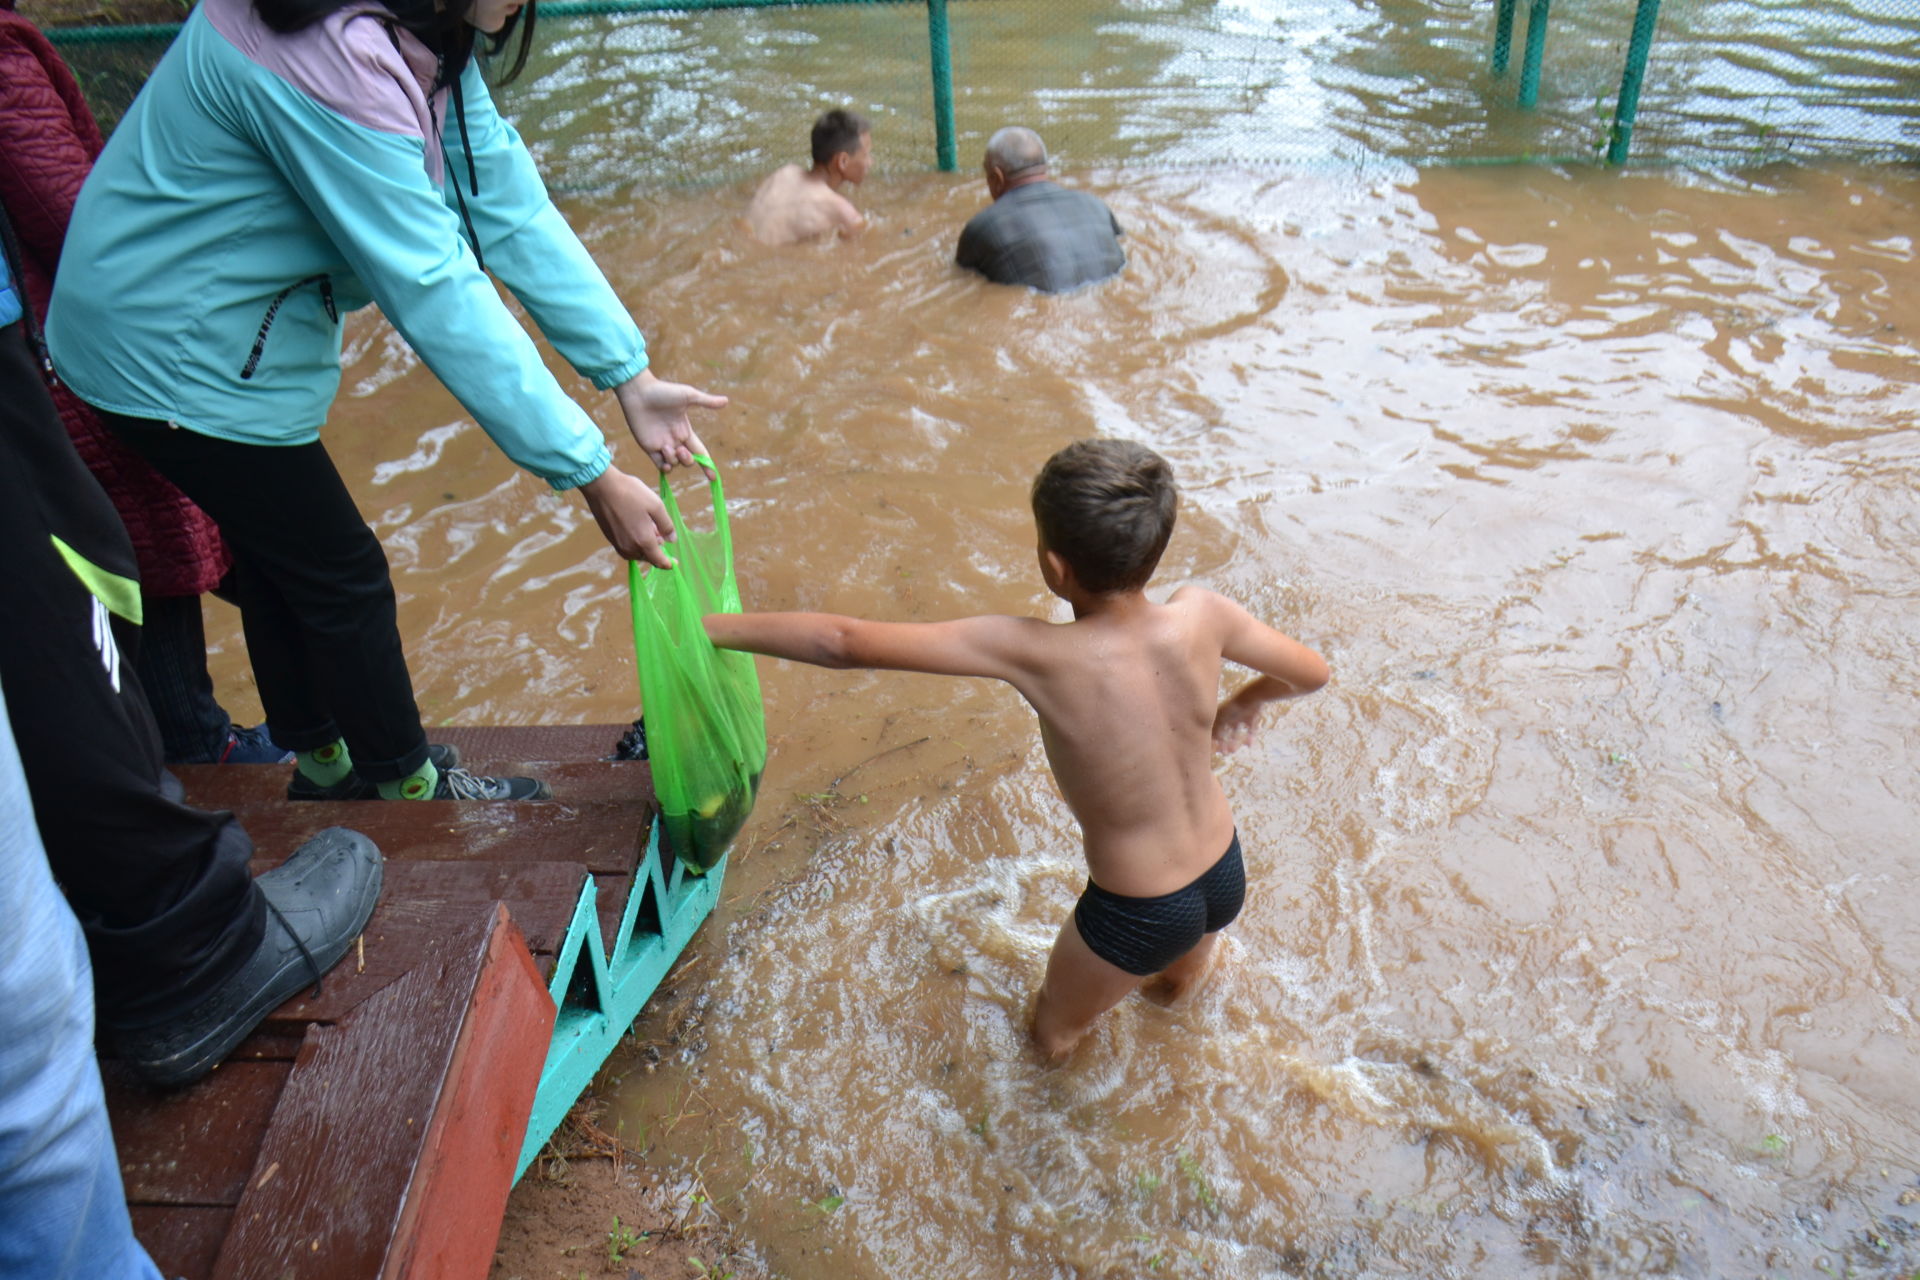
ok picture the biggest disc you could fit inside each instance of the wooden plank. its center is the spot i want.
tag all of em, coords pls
(540, 895)
(353, 1119)
(182, 1240)
(199, 1148)
(605, 835)
(273, 1042)
(451, 1220)
(419, 903)
(565, 754)
(375, 1129)
(245, 787)
(557, 742)
(191, 1146)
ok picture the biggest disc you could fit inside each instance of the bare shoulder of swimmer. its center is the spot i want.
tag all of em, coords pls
(779, 197)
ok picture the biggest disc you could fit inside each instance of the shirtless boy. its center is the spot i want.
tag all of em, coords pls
(1125, 695)
(794, 204)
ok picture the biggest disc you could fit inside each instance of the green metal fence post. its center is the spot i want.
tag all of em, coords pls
(1536, 50)
(941, 48)
(1503, 36)
(1628, 106)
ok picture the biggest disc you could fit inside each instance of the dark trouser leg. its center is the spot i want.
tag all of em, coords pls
(161, 889)
(316, 599)
(173, 671)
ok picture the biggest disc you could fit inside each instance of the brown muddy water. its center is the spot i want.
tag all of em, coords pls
(1576, 941)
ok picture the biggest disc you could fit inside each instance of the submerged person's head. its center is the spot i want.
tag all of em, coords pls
(450, 28)
(1014, 155)
(1106, 508)
(843, 145)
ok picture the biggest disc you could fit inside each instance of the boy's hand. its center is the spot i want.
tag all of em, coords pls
(656, 413)
(1234, 723)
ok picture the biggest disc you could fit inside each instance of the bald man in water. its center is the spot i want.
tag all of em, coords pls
(1036, 233)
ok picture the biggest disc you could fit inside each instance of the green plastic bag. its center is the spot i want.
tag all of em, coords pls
(706, 731)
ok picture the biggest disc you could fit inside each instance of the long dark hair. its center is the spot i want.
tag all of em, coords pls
(441, 25)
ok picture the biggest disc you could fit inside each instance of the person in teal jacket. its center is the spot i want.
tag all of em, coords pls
(289, 161)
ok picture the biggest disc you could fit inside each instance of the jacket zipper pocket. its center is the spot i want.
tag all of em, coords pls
(273, 309)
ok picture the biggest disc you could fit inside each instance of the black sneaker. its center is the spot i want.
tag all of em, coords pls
(444, 755)
(458, 784)
(253, 745)
(318, 901)
(633, 743)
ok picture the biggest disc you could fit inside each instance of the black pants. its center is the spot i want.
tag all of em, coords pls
(316, 600)
(173, 670)
(161, 889)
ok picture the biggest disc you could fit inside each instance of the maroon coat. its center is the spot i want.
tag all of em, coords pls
(48, 142)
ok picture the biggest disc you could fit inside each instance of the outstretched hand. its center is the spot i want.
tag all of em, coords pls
(631, 516)
(656, 413)
(1234, 723)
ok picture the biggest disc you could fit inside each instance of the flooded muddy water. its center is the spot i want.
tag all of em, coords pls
(1575, 941)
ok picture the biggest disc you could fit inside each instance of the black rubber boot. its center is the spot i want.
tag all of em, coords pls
(318, 901)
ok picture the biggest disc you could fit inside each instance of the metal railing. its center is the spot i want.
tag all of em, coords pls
(1255, 81)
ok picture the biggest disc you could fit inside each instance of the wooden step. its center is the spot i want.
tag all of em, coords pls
(389, 1125)
(373, 1128)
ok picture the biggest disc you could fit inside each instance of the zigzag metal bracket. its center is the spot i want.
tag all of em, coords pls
(600, 989)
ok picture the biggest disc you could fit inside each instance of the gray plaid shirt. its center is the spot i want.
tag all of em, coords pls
(1044, 236)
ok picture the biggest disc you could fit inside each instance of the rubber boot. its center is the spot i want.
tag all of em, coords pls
(318, 901)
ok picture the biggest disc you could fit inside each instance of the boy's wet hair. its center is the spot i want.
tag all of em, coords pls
(1106, 507)
(837, 132)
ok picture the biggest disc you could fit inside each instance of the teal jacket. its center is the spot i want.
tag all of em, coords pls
(10, 308)
(262, 185)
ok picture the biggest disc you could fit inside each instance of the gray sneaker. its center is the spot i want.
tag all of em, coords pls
(458, 784)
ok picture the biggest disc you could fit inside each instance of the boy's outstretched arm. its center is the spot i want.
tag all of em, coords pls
(992, 646)
(1287, 669)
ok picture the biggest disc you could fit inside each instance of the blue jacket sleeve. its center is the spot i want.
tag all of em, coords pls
(370, 192)
(529, 246)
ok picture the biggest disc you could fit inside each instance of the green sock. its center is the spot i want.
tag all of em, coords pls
(326, 765)
(418, 785)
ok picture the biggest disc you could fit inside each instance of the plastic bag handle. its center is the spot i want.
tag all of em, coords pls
(721, 526)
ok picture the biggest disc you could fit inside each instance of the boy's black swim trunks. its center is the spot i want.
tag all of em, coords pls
(1145, 935)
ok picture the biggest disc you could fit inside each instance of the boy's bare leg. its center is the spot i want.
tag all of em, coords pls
(1079, 987)
(1178, 979)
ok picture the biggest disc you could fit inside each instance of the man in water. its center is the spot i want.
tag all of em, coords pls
(1036, 233)
(795, 205)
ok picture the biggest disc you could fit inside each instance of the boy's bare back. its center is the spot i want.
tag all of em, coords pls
(792, 208)
(1127, 700)
(1126, 696)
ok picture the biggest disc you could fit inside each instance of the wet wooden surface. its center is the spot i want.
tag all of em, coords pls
(371, 1129)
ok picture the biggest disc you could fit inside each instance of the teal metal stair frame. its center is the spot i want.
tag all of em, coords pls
(600, 991)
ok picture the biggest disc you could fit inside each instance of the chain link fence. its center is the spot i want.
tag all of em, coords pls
(624, 90)
(694, 96)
